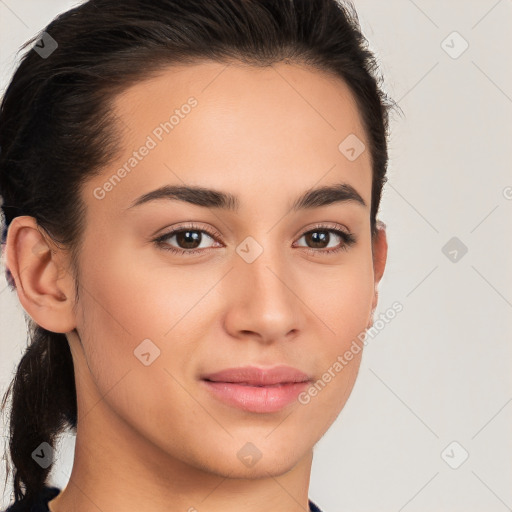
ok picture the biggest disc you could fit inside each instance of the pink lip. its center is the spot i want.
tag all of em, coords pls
(257, 389)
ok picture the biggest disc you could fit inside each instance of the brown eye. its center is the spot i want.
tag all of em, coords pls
(327, 240)
(188, 240)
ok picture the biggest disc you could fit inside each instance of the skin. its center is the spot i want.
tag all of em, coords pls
(151, 438)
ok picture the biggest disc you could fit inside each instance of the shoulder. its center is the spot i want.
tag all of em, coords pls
(313, 507)
(39, 504)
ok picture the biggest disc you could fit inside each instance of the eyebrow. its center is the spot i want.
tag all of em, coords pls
(210, 198)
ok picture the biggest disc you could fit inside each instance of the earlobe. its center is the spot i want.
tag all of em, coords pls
(43, 285)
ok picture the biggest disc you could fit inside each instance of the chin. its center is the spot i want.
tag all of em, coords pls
(268, 460)
(271, 467)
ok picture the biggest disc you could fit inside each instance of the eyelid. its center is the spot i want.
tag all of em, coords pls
(348, 239)
(191, 226)
(326, 226)
(214, 233)
(340, 230)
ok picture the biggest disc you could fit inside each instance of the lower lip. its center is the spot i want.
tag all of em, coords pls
(257, 398)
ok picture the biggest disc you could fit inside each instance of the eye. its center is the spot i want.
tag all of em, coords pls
(189, 238)
(320, 237)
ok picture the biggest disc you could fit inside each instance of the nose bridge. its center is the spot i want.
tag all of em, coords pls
(260, 259)
(267, 275)
(264, 297)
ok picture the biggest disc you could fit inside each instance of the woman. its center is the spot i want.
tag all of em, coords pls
(190, 192)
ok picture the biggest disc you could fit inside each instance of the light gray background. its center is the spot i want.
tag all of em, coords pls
(440, 371)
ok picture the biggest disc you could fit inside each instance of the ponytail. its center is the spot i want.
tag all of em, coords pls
(43, 405)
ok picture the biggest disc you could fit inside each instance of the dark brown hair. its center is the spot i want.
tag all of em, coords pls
(57, 130)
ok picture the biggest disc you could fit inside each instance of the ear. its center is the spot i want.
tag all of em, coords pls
(44, 285)
(380, 253)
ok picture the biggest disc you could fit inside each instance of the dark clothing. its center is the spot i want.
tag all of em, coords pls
(48, 493)
(40, 504)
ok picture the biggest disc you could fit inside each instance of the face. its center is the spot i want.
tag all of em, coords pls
(248, 281)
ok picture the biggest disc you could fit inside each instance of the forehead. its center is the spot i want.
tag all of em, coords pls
(240, 128)
(233, 94)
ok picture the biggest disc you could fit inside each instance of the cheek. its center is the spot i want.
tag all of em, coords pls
(342, 302)
(132, 365)
(129, 296)
(135, 312)
(341, 298)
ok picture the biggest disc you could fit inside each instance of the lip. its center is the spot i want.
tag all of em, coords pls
(257, 389)
(255, 376)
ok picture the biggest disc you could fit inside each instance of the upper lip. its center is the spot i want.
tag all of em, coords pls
(254, 376)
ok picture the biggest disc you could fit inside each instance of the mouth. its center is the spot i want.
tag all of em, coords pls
(257, 385)
(256, 398)
(256, 389)
(255, 376)
(254, 384)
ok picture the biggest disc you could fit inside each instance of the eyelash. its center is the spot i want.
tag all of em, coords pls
(348, 240)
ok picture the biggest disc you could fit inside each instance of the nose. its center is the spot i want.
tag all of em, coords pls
(263, 303)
